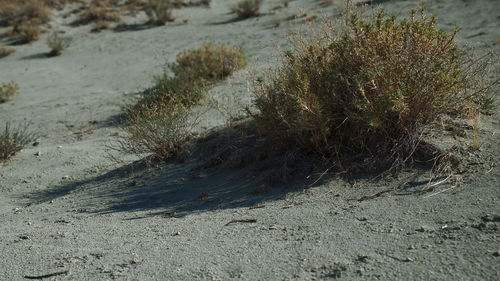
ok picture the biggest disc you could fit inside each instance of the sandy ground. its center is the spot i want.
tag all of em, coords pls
(73, 208)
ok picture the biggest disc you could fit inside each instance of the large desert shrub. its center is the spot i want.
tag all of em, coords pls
(369, 89)
(13, 139)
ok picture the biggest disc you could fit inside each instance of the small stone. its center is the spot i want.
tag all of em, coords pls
(29, 223)
(36, 143)
(177, 233)
(59, 146)
(411, 247)
(408, 260)
(38, 153)
(273, 227)
(423, 228)
(65, 177)
(496, 254)
(285, 229)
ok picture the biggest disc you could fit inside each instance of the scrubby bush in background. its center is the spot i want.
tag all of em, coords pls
(13, 139)
(57, 44)
(247, 8)
(193, 71)
(24, 17)
(5, 52)
(370, 89)
(162, 120)
(159, 11)
(8, 90)
(99, 13)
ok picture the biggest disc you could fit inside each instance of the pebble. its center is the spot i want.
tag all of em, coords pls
(36, 143)
(273, 227)
(65, 177)
(38, 153)
(496, 254)
(177, 233)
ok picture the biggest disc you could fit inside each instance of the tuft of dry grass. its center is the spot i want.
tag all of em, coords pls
(160, 11)
(13, 139)
(8, 90)
(371, 89)
(57, 44)
(5, 52)
(247, 8)
(25, 18)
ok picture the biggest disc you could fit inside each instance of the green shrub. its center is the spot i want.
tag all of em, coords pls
(13, 140)
(247, 8)
(369, 89)
(8, 90)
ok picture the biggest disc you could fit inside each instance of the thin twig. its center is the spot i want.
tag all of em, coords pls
(444, 190)
(241, 220)
(47, 275)
(257, 207)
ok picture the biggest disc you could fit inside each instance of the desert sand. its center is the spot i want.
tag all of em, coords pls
(72, 204)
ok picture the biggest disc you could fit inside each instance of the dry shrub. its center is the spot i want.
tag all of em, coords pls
(369, 89)
(5, 52)
(194, 71)
(161, 122)
(247, 8)
(159, 11)
(8, 90)
(13, 139)
(99, 13)
(13, 13)
(164, 130)
(57, 44)
(25, 18)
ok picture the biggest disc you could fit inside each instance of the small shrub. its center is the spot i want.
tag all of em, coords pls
(57, 44)
(13, 140)
(5, 52)
(370, 89)
(161, 122)
(99, 13)
(164, 130)
(159, 11)
(247, 8)
(195, 70)
(8, 90)
(13, 13)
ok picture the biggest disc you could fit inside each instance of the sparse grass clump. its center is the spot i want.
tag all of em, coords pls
(161, 122)
(5, 52)
(247, 8)
(370, 89)
(57, 44)
(13, 139)
(8, 90)
(159, 11)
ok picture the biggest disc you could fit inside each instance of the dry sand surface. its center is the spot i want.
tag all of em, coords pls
(65, 205)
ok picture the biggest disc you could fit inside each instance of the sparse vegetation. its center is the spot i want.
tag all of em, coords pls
(5, 52)
(247, 8)
(160, 11)
(13, 139)
(8, 90)
(99, 13)
(370, 89)
(57, 44)
(161, 122)
(24, 17)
